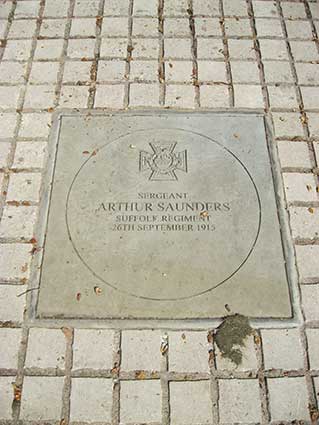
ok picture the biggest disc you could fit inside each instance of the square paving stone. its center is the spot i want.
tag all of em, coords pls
(6, 392)
(9, 348)
(288, 399)
(133, 343)
(41, 398)
(239, 401)
(93, 349)
(46, 349)
(91, 400)
(140, 402)
(163, 216)
(190, 403)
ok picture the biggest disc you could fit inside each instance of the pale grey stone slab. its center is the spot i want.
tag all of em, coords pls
(171, 216)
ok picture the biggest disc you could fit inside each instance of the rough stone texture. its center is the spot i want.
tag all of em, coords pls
(133, 342)
(91, 400)
(140, 401)
(306, 258)
(18, 222)
(24, 187)
(300, 187)
(190, 402)
(46, 348)
(293, 154)
(14, 261)
(214, 95)
(310, 299)
(41, 398)
(9, 347)
(313, 348)
(248, 96)
(6, 397)
(239, 401)
(188, 352)
(304, 222)
(276, 343)
(93, 349)
(71, 62)
(248, 361)
(288, 399)
(12, 304)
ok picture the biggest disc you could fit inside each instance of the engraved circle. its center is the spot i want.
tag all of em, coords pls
(118, 268)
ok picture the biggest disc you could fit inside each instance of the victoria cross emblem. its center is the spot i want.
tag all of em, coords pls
(163, 161)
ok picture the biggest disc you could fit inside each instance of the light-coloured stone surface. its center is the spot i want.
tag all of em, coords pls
(140, 401)
(48, 49)
(9, 347)
(144, 94)
(12, 303)
(6, 391)
(294, 154)
(288, 399)
(93, 349)
(276, 343)
(91, 400)
(29, 155)
(46, 349)
(188, 352)
(239, 401)
(15, 261)
(287, 124)
(41, 398)
(133, 342)
(235, 70)
(24, 187)
(313, 122)
(18, 222)
(306, 259)
(4, 153)
(300, 187)
(214, 96)
(190, 402)
(248, 96)
(310, 299)
(281, 96)
(313, 347)
(109, 96)
(304, 222)
(241, 49)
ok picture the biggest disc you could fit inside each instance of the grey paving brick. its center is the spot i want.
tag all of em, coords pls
(310, 299)
(91, 400)
(9, 348)
(239, 401)
(132, 344)
(140, 402)
(46, 349)
(6, 398)
(188, 352)
(93, 349)
(288, 399)
(278, 342)
(190, 402)
(41, 398)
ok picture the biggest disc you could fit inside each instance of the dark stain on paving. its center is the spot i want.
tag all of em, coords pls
(230, 337)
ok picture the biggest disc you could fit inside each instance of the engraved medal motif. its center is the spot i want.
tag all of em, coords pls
(163, 161)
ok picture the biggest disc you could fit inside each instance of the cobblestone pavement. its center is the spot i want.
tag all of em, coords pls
(257, 54)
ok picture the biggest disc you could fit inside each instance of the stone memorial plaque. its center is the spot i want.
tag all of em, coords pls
(163, 216)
